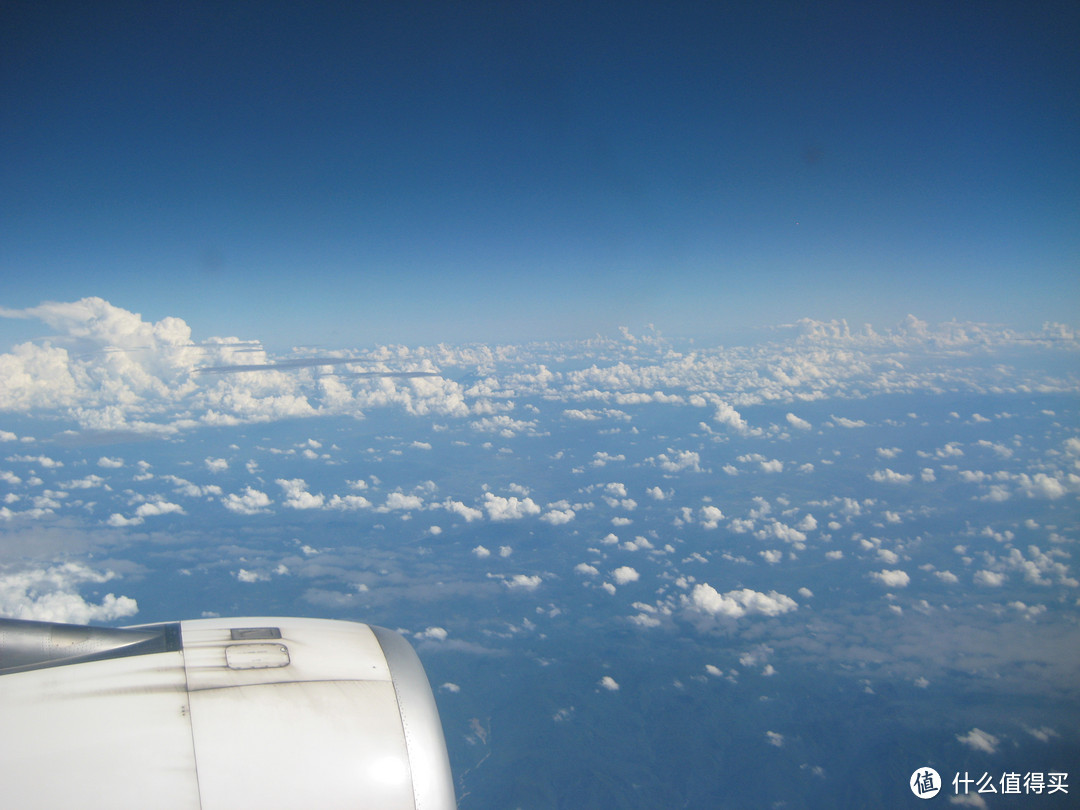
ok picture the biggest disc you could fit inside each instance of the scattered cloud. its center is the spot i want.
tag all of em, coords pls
(892, 578)
(979, 740)
(50, 594)
(608, 683)
(625, 574)
(252, 502)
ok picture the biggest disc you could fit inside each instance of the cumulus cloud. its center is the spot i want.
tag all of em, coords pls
(252, 502)
(711, 517)
(608, 683)
(706, 601)
(625, 574)
(979, 740)
(108, 369)
(348, 503)
(512, 508)
(796, 422)
(888, 476)
(399, 501)
(157, 508)
(458, 508)
(990, 579)
(727, 415)
(844, 422)
(678, 461)
(557, 517)
(297, 496)
(1042, 485)
(894, 578)
(523, 582)
(51, 595)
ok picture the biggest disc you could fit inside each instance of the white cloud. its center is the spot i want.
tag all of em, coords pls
(979, 740)
(796, 422)
(772, 556)
(110, 463)
(990, 579)
(523, 582)
(706, 600)
(557, 517)
(297, 496)
(892, 578)
(608, 683)
(252, 502)
(727, 415)
(243, 575)
(512, 508)
(625, 574)
(888, 476)
(1042, 485)
(774, 738)
(42, 461)
(216, 465)
(154, 508)
(348, 503)
(711, 517)
(51, 595)
(1043, 734)
(586, 570)
(481, 552)
(89, 482)
(458, 508)
(434, 634)
(848, 423)
(399, 501)
(119, 521)
(679, 460)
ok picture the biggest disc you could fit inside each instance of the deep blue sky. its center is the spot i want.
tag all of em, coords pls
(355, 173)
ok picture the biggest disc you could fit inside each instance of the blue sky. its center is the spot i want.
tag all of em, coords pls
(362, 173)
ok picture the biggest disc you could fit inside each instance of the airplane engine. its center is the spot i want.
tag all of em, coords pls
(218, 713)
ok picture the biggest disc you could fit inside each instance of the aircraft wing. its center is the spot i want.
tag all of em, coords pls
(218, 714)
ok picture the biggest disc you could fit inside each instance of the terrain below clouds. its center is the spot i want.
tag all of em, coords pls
(817, 562)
